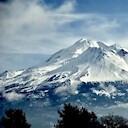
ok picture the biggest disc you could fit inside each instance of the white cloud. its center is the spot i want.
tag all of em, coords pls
(13, 96)
(29, 27)
(110, 88)
(67, 7)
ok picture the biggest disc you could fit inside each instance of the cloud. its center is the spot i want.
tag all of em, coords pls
(27, 26)
(13, 96)
(67, 7)
(34, 27)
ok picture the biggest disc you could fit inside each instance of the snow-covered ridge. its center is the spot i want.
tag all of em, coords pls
(84, 61)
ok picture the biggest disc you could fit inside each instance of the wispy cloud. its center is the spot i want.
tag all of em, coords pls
(27, 26)
(30, 27)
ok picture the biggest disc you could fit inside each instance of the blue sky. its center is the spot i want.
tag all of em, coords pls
(31, 30)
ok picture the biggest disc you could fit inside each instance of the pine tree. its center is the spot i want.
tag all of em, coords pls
(73, 117)
(114, 121)
(14, 118)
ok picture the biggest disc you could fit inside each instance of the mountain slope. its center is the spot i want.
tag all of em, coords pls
(83, 62)
(97, 63)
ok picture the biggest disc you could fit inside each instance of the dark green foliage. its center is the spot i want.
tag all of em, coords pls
(14, 118)
(73, 117)
(114, 121)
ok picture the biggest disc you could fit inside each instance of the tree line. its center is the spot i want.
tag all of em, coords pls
(69, 117)
(74, 117)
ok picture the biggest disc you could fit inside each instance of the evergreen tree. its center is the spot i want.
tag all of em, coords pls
(14, 118)
(114, 121)
(73, 117)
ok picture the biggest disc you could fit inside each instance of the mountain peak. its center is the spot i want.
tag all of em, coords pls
(86, 42)
(115, 47)
(65, 55)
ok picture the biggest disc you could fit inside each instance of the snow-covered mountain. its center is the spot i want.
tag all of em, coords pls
(86, 66)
